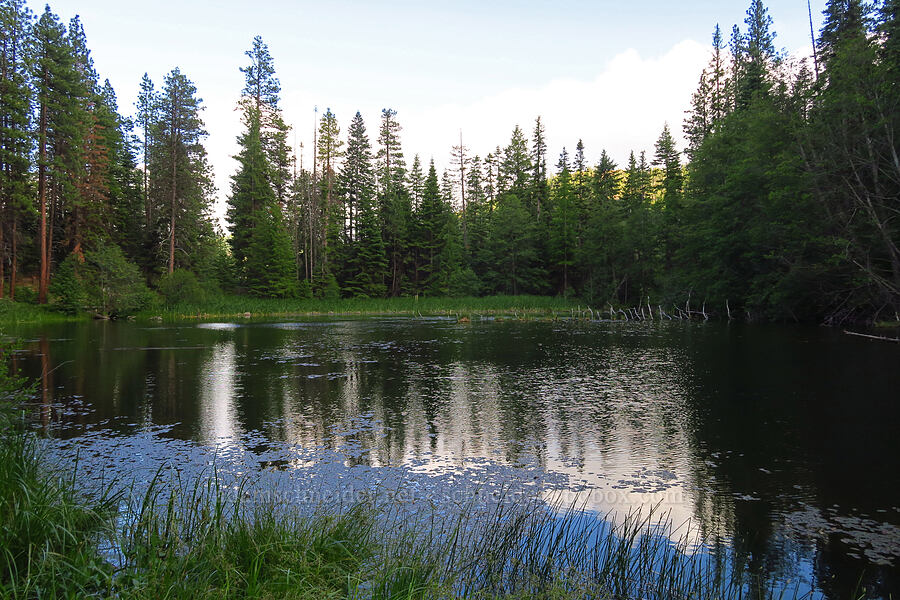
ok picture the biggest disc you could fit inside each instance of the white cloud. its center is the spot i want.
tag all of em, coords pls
(622, 109)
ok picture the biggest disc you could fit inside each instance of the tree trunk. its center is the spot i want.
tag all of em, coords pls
(42, 200)
(2, 258)
(14, 266)
(172, 218)
(174, 183)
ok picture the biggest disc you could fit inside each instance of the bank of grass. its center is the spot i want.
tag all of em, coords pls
(230, 306)
(23, 313)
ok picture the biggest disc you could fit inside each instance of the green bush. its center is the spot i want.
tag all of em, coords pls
(464, 282)
(106, 283)
(181, 286)
(26, 295)
(67, 286)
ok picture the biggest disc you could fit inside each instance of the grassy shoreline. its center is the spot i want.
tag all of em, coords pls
(241, 306)
(22, 313)
(19, 313)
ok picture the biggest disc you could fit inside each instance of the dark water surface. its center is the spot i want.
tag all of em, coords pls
(782, 444)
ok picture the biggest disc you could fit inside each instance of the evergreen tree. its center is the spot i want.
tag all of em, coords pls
(15, 147)
(459, 158)
(416, 182)
(123, 182)
(58, 91)
(540, 191)
(367, 262)
(515, 167)
(669, 191)
(430, 239)
(147, 110)
(394, 205)
(261, 91)
(759, 48)
(601, 258)
(561, 244)
(180, 183)
(329, 152)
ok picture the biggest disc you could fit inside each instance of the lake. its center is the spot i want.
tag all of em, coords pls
(779, 443)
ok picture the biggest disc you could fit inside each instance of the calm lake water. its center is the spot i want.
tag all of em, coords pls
(779, 443)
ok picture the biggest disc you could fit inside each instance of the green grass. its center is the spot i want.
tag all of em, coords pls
(230, 306)
(19, 313)
(236, 306)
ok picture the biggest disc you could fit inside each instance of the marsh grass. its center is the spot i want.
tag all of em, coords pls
(21, 313)
(236, 306)
(204, 540)
(49, 539)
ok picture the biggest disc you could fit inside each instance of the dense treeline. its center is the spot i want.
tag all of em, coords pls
(786, 208)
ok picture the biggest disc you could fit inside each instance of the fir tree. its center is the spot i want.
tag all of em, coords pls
(180, 184)
(561, 243)
(367, 261)
(15, 121)
(57, 87)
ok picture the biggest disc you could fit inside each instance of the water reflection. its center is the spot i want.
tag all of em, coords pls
(762, 438)
(219, 423)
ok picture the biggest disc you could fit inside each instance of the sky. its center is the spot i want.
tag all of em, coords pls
(609, 73)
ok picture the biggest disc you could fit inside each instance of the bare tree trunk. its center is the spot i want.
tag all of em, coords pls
(172, 216)
(2, 257)
(42, 200)
(14, 267)
(174, 183)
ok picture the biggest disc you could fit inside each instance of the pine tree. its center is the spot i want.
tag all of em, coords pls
(270, 263)
(90, 169)
(260, 243)
(416, 182)
(261, 90)
(57, 87)
(147, 110)
(367, 262)
(669, 190)
(180, 176)
(459, 158)
(845, 22)
(540, 192)
(601, 258)
(515, 167)
(759, 46)
(709, 103)
(394, 206)
(561, 243)
(125, 203)
(329, 153)
(430, 238)
(15, 121)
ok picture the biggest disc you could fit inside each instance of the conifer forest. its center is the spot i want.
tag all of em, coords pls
(784, 206)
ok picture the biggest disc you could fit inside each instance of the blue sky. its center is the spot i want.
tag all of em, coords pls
(608, 72)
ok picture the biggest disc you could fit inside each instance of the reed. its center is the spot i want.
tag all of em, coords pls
(237, 306)
(22, 313)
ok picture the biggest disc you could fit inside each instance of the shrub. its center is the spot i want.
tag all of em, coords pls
(181, 286)
(106, 282)
(67, 286)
